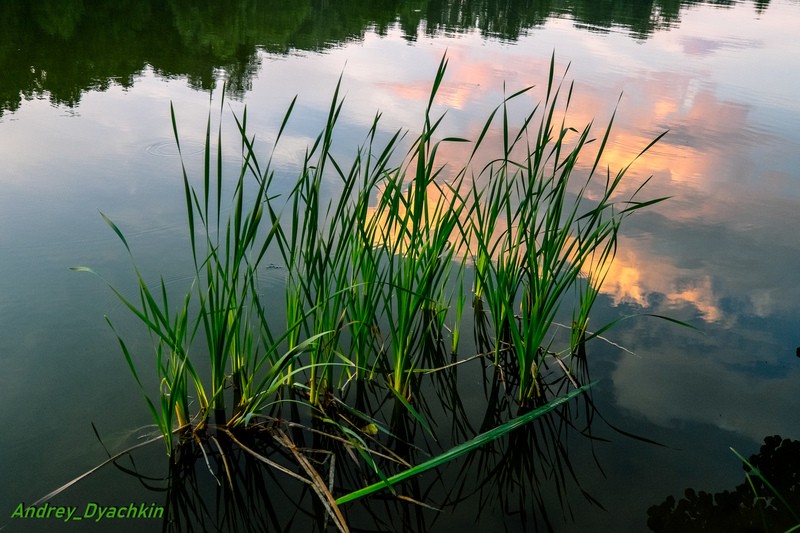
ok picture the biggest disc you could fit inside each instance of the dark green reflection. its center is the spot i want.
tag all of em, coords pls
(751, 507)
(60, 49)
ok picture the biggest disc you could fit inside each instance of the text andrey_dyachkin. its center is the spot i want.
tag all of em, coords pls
(92, 511)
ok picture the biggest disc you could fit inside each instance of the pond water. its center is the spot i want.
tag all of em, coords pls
(85, 126)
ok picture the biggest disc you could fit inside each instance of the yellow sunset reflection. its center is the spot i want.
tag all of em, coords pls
(634, 275)
(679, 164)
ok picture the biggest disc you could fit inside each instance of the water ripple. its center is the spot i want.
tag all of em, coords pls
(168, 148)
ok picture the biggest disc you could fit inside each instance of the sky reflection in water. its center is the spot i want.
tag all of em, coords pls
(722, 253)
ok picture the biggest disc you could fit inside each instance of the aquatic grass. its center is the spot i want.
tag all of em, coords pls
(538, 236)
(222, 302)
(498, 262)
(459, 311)
(335, 268)
(350, 266)
(360, 253)
(373, 272)
(417, 274)
(226, 258)
(420, 218)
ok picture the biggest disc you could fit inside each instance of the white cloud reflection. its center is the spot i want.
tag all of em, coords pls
(725, 246)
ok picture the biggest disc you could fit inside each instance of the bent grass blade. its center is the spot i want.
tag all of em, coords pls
(464, 448)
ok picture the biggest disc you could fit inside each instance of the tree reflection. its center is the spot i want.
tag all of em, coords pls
(62, 49)
(750, 507)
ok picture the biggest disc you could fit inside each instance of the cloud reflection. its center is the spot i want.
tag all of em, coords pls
(717, 252)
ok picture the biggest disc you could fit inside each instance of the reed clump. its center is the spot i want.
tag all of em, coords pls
(374, 272)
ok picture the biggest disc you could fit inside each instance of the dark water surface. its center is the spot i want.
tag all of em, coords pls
(85, 92)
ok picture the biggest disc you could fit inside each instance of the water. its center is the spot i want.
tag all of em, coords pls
(84, 126)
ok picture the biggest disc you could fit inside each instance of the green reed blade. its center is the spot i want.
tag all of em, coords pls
(466, 447)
